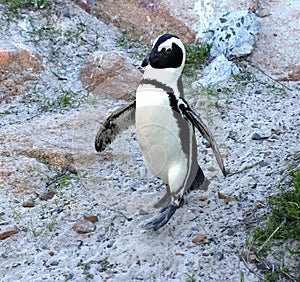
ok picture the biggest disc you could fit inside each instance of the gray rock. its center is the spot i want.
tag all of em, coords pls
(233, 34)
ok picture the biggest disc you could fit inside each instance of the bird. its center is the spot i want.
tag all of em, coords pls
(165, 127)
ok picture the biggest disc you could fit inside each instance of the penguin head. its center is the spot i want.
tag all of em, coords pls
(167, 52)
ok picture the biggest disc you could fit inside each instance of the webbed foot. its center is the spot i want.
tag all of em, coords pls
(163, 218)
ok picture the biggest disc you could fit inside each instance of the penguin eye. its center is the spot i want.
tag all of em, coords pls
(168, 50)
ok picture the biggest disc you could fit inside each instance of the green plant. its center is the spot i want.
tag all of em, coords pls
(190, 278)
(195, 55)
(51, 225)
(14, 9)
(281, 227)
(285, 214)
(16, 215)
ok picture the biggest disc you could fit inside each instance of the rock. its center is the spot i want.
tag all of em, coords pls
(84, 226)
(46, 196)
(276, 50)
(233, 34)
(190, 19)
(19, 69)
(145, 20)
(8, 233)
(202, 198)
(110, 75)
(222, 196)
(218, 70)
(199, 238)
(263, 163)
(28, 204)
(256, 136)
(90, 217)
(262, 266)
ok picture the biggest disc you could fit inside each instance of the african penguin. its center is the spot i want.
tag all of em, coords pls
(165, 126)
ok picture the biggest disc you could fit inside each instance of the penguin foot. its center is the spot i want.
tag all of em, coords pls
(162, 219)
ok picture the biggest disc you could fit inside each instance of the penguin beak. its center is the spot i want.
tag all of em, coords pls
(151, 58)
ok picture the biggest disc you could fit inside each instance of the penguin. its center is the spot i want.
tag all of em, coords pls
(165, 126)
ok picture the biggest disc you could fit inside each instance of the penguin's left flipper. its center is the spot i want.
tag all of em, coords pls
(196, 120)
(118, 121)
(162, 219)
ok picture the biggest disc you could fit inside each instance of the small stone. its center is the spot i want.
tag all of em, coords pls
(8, 233)
(222, 196)
(258, 92)
(251, 257)
(28, 204)
(91, 218)
(54, 263)
(46, 196)
(84, 226)
(275, 131)
(263, 163)
(255, 136)
(274, 137)
(202, 198)
(199, 238)
(262, 266)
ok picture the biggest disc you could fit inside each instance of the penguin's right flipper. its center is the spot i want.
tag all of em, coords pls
(118, 121)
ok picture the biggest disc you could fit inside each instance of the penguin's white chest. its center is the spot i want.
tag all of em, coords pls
(158, 134)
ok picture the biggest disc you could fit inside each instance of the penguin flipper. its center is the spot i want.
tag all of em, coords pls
(118, 121)
(196, 120)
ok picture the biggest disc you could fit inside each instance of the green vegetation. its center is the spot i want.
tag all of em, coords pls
(284, 220)
(134, 47)
(281, 228)
(195, 57)
(14, 9)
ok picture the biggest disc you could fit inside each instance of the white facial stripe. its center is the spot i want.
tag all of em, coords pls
(155, 40)
(168, 44)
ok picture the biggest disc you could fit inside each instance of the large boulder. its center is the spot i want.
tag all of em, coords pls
(19, 67)
(278, 39)
(110, 75)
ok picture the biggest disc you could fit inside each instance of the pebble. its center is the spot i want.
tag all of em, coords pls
(263, 163)
(199, 238)
(84, 226)
(54, 263)
(8, 233)
(256, 136)
(46, 196)
(202, 198)
(262, 266)
(28, 204)
(90, 217)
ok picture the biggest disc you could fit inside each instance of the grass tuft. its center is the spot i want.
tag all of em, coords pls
(195, 56)
(279, 239)
(284, 220)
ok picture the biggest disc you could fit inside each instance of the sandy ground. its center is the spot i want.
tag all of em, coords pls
(114, 187)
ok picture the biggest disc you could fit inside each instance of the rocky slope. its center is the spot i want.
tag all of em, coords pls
(51, 177)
